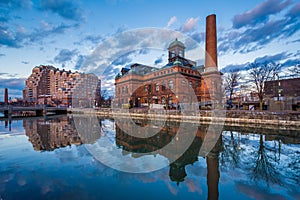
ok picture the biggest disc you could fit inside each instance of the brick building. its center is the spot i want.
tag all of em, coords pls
(179, 82)
(283, 94)
(49, 85)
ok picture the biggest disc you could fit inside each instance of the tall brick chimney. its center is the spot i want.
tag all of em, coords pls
(5, 96)
(211, 61)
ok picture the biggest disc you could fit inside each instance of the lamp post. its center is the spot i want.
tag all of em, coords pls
(278, 85)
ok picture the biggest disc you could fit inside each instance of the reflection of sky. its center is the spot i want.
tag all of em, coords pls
(71, 172)
(16, 127)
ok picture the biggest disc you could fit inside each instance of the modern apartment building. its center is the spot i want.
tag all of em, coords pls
(52, 86)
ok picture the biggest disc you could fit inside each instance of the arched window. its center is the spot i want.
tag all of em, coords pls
(173, 54)
(163, 86)
(171, 85)
(180, 53)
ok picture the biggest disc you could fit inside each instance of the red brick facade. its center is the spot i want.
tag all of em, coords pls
(180, 81)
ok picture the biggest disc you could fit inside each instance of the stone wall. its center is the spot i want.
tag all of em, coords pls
(278, 120)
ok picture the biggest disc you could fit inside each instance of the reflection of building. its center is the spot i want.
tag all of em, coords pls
(177, 82)
(283, 94)
(49, 85)
(51, 134)
(168, 133)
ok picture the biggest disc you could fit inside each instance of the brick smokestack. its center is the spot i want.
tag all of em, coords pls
(211, 60)
(6, 96)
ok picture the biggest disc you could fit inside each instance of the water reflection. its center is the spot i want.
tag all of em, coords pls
(249, 162)
(177, 169)
(52, 133)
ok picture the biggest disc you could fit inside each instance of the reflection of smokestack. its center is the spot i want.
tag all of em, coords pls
(6, 96)
(211, 42)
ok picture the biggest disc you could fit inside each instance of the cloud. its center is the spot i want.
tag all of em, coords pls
(144, 51)
(93, 38)
(25, 62)
(17, 39)
(260, 13)
(290, 63)
(79, 61)
(9, 38)
(257, 37)
(14, 4)
(256, 192)
(198, 36)
(277, 59)
(189, 25)
(235, 67)
(65, 55)
(1, 54)
(67, 9)
(122, 60)
(171, 21)
(159, 60)
(272, 58)
(13, 83)
(294, 11)
(39, 34)
(130, 42)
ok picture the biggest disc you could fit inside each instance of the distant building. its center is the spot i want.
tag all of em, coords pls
(283, 94)
(180, 81)
(51, 86)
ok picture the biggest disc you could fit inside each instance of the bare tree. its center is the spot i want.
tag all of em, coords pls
(264, 168)
(231, 81)
(296, 70)
(259, 74)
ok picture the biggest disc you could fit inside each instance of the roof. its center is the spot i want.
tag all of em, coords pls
(138, 69)
(176, 43)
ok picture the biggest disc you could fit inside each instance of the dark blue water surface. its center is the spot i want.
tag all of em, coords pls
(47, 158)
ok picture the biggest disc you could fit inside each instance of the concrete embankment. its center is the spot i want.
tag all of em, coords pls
(265, 119)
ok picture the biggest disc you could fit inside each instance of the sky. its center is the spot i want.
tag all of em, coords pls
(101, 37)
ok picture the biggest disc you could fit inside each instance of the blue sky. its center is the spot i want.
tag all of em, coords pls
(89, 35)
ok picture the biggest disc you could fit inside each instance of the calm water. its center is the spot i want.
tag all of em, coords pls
(51, 158)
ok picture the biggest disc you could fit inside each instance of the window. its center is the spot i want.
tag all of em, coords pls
(170, 100)
(180, 53)
(122, 90)
(163, 86)
(173, 54)
(183, 82)
(191, 84)
(146, 88)
(126, 89)
(150, 88)
(157, 87)
(171, 85)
